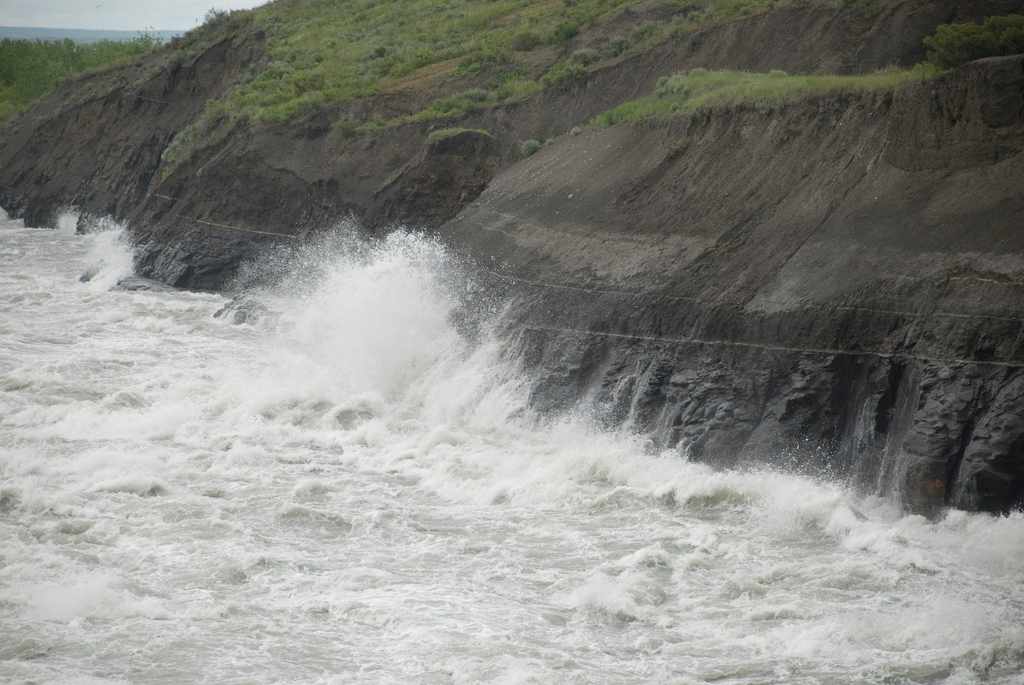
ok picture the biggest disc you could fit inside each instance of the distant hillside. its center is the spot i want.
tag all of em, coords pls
(79, 35)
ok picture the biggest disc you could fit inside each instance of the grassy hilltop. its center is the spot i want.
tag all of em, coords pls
(324, 51)
(439, 59)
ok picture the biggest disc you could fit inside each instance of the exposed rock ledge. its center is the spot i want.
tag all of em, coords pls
(838, 283)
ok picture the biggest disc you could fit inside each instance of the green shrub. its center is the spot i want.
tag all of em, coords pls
(566, 31)
(956, 44)
(585, 56)
(490, 59)
(615, 47)
(455, 105)
(524, 41)
(643, 33)
(214, 16)
(446, 133)
(674, 85)
(564, 75)
(477, 95)
(528, 147)
(516, 88)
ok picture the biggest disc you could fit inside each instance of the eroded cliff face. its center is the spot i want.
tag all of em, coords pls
(833, 285)
(837, 284)
(96, 143)
(102, 143)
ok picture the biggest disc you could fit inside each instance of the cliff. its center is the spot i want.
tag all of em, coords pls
(833, 283)
(837, 283)
(121, 142)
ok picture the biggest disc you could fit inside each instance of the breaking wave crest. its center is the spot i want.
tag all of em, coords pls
(109, 259)
(348, 482)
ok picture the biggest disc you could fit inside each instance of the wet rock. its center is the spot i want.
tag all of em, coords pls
(242, 310)
(139, 284)
(10, 499)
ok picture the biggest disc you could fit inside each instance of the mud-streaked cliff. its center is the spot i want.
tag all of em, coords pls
(838, 283)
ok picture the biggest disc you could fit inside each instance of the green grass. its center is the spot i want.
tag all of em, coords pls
(32, 69)
(698, 89)
(530, 147)
(325, 52)
(469, 55)
(446, 133)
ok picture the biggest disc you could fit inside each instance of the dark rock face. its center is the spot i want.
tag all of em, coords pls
(96, 143)
(433, 186)
(137, 284)
(243, 310)
(837, 285)
(933, 434)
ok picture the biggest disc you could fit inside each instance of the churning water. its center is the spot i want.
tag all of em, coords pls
(349, 490)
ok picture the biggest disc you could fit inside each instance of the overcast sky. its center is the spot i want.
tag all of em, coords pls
(131, 15)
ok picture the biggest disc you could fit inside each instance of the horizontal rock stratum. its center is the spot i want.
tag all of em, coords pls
(838, 282)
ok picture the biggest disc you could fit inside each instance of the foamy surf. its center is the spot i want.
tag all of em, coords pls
(348, 489)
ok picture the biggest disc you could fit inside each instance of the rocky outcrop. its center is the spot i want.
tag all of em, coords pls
(836, 284)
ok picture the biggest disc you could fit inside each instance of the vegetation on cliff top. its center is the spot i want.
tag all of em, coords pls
(432, 60)
(952, 45)
(436, 60)
(699, 89)
(30, 69)
(327, 52)
(956, 44)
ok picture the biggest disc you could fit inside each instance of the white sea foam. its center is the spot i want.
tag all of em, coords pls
(67, 222)
(109, 258)
(353, 491)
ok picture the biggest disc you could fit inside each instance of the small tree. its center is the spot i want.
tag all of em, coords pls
(956, 44)
(528, 147)
(215, 16)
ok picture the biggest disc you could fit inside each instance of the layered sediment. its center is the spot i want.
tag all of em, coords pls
(837, 283)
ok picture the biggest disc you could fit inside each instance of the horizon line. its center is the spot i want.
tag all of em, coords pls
(67, 28)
